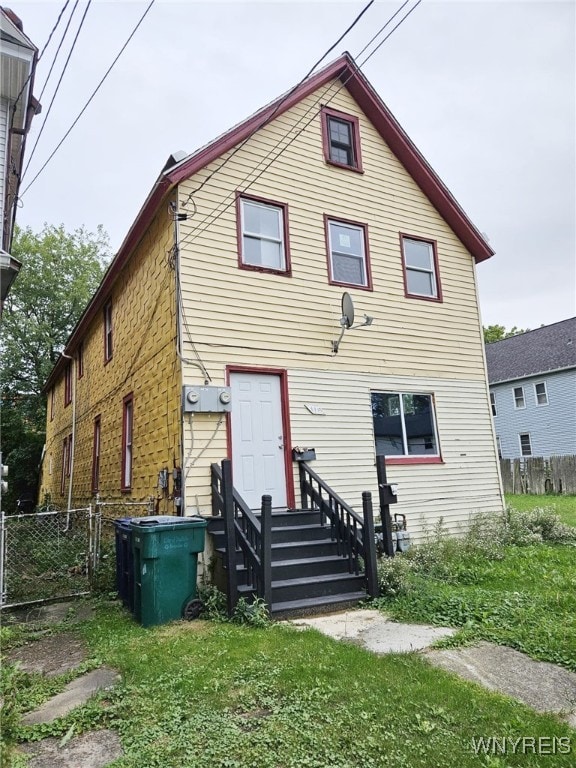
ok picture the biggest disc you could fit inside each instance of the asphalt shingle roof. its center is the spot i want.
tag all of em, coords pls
(545, 349)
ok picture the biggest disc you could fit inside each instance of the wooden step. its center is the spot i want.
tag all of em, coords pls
(310, 606)
(326, 585)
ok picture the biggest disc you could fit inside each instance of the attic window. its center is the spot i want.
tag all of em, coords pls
(341, 139)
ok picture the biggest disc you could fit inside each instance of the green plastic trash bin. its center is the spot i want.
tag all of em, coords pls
(165, 553)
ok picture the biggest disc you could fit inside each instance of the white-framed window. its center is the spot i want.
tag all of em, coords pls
(348, 253)
(541, 393)
(519, 401)
(493, 403)
(525, 444)
(263, 235)
(420, 263)
(404, 424)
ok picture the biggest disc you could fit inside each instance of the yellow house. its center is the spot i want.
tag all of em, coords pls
(223, 326)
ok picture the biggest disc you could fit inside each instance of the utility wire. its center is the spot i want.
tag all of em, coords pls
(55, 57)
(215, 214)
(37, 60)
(70, 52)
(94, 92)
(285, 98)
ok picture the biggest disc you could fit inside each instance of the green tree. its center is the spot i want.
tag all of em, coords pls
(60, 272)
(498, 332)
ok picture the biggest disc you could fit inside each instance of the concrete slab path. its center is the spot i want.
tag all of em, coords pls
(52, 655)
(74, 695)
(94, 749)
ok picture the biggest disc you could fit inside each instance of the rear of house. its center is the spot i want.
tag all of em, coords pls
(320, 194)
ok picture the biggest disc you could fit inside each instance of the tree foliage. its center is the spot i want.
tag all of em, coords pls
(60, 272)
(498, 332)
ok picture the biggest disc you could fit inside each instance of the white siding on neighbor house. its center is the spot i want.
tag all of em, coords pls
(552, 427)
(464, 484)
(4, 113)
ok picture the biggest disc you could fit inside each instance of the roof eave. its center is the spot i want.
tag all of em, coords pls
(532, 375)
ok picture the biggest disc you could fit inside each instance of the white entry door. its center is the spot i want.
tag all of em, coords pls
(258, 463)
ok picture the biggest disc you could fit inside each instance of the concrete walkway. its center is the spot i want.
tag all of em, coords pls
(542, 686)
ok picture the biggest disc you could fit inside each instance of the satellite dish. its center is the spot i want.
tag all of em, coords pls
(347, 310)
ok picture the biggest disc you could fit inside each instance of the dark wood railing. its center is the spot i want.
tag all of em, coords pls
(353, 534)
(247, 536)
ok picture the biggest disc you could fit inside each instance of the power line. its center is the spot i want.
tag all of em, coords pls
(210, 218)
(70, 52)
(55, 57)
(94, 92)
(285, 98)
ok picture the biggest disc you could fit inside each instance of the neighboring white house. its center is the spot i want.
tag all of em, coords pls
(18, 57)
(533, 391)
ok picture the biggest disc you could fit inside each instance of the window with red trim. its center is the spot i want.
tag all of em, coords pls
(420, 264)
(52, 399)
(263, 242)
(108, 346)
(68, 384)
(66, 461)
(341, 139)
(127, 434)
(96, 455)
(347, 247)
(404, 425)
(80, 359)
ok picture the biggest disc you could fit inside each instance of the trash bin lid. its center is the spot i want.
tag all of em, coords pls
(167, 520)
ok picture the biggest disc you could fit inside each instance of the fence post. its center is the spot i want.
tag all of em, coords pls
(266, 550)
(2, 555)
(370, 545)
(302, 476)
(384, 508)
(228, 503)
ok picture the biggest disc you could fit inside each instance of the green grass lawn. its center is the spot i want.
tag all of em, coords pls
(207, 694)
(564, 506)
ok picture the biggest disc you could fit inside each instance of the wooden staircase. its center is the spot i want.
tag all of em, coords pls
(297, 560)
(307, 570)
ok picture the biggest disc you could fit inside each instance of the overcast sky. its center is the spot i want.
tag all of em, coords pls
(486, 90)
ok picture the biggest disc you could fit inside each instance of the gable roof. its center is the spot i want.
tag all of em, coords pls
(344, 68)
(543, 350)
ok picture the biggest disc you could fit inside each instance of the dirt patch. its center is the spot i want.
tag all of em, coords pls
(50, 656)
(51, 613)
(94, 749)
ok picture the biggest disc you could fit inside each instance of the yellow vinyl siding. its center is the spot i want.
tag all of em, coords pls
(144, 362)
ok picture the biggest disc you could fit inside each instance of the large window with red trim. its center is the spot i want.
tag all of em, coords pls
(347, 249)
(68, 384)
(127, 435)
(404, 425)
(108, 345)
(96, 455)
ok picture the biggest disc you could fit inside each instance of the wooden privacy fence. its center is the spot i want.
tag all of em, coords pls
(556, 474)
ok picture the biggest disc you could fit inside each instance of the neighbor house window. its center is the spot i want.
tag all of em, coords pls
(420, 263)
(493, 403)
(263, 235)
(525, 445)
(341, 139)
(68, 384)
(541, 393)
(80, 358)
(127, 430)
(404, 425)
(499, 446)
(347, 247)
(96, 455)
(108, 347)
(519, 401)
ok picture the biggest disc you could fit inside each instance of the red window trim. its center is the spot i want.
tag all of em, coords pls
(52, 399)
(96, 443)
(108, 311)
(414, 460)
(364, 227)
(437, 299)
(80, 358)
(284, 397)
(128, 400)
(68, 384)
(266, 201)
(64, 465)
(325, 113)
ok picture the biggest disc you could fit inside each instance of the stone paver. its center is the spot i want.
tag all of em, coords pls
(74, 695)
(51, 613)
(544, 687)
(95, 749)
(50, 656)
(374, 631)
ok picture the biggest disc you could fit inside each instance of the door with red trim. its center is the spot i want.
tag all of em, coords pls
(258, 458)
